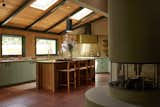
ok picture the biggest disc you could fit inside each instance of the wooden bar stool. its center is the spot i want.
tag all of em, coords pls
(82, 66)
(69, 68)
(91, 70)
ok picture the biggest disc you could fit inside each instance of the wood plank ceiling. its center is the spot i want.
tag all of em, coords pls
(18, 14)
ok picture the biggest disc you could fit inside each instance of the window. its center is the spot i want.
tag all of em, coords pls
(81, 14)
(12, 45)
(46, 46)
(43, 4)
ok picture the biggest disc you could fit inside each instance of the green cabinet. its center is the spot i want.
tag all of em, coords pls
(101, 65)
(4, 74)
(17, 72)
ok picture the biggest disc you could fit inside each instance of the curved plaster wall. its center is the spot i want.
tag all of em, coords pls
(134, 32)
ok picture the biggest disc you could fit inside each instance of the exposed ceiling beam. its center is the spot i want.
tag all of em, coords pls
(54, 25)
(46, 14)
(92, 21)
(13, 14)
(85, 18)
(30, 30)
(82, 25)
(99, 6)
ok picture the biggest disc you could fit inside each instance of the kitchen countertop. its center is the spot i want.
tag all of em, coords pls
(44, 60)
(14, 60)
(50, 61)
(61, 60)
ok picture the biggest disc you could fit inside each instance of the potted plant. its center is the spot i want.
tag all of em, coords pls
(68, 46)
(70, 49)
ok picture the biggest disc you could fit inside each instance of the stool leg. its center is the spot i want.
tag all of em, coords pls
(87, 77)
(75, 79)
(91, 76)
(79, 82)
(68, 81)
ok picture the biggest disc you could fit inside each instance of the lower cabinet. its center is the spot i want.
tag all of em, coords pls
(101, 65)
(17, 72)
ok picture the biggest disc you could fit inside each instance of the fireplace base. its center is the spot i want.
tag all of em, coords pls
(144, 98)
(100, 97)
(108, 96)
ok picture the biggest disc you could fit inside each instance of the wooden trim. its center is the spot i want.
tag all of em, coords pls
(13, 14)
(54, 25)
(46, 14)
(88, 22)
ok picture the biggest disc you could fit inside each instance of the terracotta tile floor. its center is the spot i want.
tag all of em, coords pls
(28, 96)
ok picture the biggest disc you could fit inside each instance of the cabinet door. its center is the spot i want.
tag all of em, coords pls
(12, 68)
(29, 71)
(98, 67)
(4, 72)
(22, 72)
(101, 65)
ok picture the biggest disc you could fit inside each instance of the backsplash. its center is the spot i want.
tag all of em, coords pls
(83, 50)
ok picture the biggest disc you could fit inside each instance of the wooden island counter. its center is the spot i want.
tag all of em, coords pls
(47, 73)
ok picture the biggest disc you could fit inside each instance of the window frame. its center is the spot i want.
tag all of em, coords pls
(13, 35)
(46, 39)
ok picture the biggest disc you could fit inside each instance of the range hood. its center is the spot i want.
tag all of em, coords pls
(87, 39)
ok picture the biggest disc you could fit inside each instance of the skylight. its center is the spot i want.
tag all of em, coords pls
(43, 4)
(81, 14)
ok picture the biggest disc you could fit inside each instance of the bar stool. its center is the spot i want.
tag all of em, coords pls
(82, 67)
(69, 68)
(91, 70)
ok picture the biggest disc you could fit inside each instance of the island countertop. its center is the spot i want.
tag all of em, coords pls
(50, 61)
(44, 60)
(62, 60)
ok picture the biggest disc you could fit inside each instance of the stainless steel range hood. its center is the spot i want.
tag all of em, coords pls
(87, 39)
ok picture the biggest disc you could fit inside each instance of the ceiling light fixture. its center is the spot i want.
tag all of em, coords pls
(43, 4)
(81, 14)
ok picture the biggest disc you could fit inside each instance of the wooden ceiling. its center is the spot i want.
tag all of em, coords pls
(18, 14)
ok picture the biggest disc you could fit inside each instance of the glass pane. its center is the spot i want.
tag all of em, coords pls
(11, 45)
(45, 46)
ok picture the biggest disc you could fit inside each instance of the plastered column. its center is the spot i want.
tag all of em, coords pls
(134, 31)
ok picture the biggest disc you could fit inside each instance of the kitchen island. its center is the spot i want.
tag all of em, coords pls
(47, 73)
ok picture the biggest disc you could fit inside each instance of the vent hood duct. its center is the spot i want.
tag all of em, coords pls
(69, 25)
(88, 29)
(87, 39)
